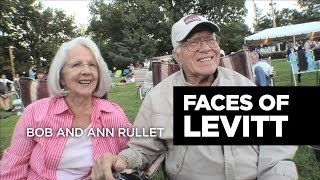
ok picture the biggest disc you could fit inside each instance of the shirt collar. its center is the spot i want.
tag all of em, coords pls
(185, 83)
(98, 106)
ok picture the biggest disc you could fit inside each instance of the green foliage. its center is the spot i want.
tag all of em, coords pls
(35, 33)
(231, 39)
(275, 55)
(310, 11)
(130, 31)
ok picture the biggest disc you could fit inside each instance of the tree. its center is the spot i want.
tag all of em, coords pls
(128, 30)
(257, 15)
(131, 30)
(35, 33)
(5, 19)
(233, 37)
(309, 11)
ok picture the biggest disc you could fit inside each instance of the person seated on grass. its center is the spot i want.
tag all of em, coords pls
(4, 97)
(130, 78)
(262, 71)
(76, 81)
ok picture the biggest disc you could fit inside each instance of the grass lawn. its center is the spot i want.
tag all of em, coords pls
(283, 76)
(126, 97)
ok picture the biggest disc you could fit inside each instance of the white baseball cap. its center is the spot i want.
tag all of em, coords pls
(184, 26)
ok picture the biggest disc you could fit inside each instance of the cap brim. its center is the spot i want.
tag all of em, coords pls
(213, 27)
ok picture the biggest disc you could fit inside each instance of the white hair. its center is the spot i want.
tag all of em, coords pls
(54, 77)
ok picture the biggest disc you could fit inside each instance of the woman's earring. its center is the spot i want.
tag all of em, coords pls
(64, 92)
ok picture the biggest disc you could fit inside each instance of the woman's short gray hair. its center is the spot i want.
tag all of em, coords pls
(54, 77)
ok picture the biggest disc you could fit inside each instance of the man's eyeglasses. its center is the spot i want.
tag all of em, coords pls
(79, 66)
(194, 45)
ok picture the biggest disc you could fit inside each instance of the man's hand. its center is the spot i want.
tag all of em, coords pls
(102, 168)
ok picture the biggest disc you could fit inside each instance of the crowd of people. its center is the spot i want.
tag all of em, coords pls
(9, 88)
(307, 53)
(78, 81)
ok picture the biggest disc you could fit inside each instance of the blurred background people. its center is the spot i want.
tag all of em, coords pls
(262, 71)
(31, 72)
(6, 81)
(148, 81)
(310, 44)
(146, 64)
(4, 97)
(41, 74)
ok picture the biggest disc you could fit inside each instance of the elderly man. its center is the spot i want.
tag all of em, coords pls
(198, 54)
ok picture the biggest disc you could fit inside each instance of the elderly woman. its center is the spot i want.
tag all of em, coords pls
(77, 79)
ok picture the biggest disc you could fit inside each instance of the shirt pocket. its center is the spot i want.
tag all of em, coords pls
(175, 154)
(174, 160)
(246, 161)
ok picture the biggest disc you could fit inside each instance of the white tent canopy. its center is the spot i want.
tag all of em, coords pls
(289, 33)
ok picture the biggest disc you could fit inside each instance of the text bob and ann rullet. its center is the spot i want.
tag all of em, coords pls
(94, 132)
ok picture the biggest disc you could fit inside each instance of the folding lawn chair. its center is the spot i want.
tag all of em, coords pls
(239, 62)
(17, 103)
(161, 70)
(139, 75)
(32, 90)
(302, 62)
(268, 60)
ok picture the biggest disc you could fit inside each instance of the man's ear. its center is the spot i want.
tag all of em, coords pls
(176, 57)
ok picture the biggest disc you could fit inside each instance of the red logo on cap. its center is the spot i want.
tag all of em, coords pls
(191, 18)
